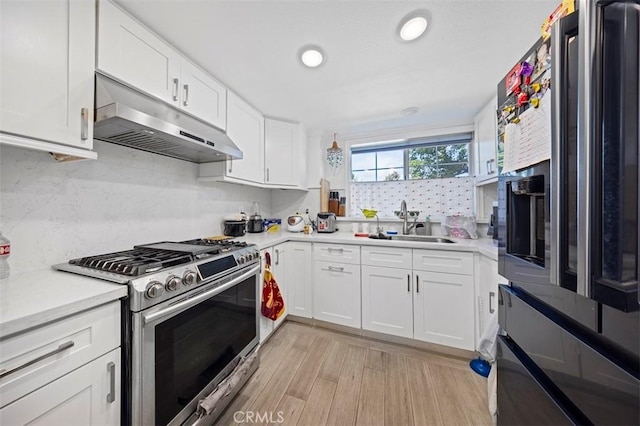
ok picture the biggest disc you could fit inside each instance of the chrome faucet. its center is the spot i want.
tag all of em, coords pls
(406, 228)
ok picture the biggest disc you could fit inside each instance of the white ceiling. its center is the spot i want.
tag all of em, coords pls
(369, 75)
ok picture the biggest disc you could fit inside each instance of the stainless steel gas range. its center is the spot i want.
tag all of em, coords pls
(191, 316)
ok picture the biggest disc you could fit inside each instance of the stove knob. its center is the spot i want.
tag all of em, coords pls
(241, 260)
(189, 278)
(172, 283)
(154, 290)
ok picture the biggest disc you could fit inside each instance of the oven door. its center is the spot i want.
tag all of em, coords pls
(184, 347)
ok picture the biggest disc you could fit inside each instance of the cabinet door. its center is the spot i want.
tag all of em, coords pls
(387, 300)
(202, 96)
(266, 325)
(279, 268)
(131, 53)
(299, 279)
(487, 297)
(281, 147)
(443, 309)
(89, 395)
(245, 127)
(486, 139)
(47, 70)
(336, 293)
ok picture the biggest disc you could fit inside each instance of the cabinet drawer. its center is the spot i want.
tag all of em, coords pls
(336, 293)
(57, 348)
(388, 257)
(337, 253)
(448, 262)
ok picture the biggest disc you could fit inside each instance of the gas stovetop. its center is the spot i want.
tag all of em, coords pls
(159, 271)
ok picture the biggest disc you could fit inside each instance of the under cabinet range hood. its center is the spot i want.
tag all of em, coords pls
(127, 117)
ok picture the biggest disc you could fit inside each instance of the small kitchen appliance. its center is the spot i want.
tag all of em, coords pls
(327, 222)
(255, 223)
(190, 318)
(235, 228)
(295, 223)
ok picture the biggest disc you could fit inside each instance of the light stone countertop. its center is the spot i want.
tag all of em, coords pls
(35, 298)
(483, 246)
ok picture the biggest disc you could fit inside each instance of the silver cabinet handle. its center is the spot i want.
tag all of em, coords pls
(277, 257)
(488, 167)
(175, 89)
(267, 174)
(336, 269)
(408, 283)
(230, 166)
(417, 284)
(62, 347)
(492, 294)
(339, 250)
(84, 123)
(111, 369)
(491, 169)
(186, 95)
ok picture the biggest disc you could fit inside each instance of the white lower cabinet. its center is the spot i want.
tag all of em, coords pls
(279, 271)
(64, 372)
(443, 309)
(299, 260)
(487, 281)
(336, 293)
(89, 395)
(405, 293)
(387, 300)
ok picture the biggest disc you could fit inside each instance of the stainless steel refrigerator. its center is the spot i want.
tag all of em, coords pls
(568, 233)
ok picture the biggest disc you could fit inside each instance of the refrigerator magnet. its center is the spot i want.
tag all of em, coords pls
(513, 79)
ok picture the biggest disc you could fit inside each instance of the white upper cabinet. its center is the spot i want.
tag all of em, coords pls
(131, 53)
(202, 96)
(245, 127)
(46, 71)
(486, 141)
(282, 153)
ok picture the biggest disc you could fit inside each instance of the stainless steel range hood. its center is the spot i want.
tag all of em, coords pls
(127, 117)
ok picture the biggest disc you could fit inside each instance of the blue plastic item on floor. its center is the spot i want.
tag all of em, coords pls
(480, 366)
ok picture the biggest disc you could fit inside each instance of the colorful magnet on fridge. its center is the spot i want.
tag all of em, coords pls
(526, 69)
(535, 87)
(523, 97)
(535, 102)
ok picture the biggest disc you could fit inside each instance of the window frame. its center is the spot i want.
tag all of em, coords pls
(406, 145)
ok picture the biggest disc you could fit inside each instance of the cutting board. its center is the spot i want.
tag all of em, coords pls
(324, 195)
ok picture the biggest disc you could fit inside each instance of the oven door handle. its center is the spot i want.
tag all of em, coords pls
(149, 318)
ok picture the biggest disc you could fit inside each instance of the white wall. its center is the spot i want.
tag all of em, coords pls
(53, 212)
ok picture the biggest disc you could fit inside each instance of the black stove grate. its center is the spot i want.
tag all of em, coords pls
(134, 262)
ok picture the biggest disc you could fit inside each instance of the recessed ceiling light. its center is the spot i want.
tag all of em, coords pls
(311, 56)
(410, 111)
(413, 25)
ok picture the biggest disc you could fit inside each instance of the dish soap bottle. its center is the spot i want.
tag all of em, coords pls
(5, 251)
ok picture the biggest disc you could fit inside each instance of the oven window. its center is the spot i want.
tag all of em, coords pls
(195, 345)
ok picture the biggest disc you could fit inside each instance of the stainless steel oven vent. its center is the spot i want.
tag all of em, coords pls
(127, 117)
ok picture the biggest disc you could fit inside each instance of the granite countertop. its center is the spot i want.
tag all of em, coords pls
(483, 246)
(34, 298)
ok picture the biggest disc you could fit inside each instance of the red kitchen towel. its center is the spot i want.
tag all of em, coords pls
(272, 305)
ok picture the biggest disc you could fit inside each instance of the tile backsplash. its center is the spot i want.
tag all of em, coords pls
(53, 212)
(432, 197)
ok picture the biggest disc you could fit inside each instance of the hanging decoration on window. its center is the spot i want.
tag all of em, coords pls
(335, 154)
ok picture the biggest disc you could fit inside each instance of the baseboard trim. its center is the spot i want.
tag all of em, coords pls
(387, 338)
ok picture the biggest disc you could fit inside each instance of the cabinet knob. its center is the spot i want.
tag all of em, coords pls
(175, 89)
(84, 123)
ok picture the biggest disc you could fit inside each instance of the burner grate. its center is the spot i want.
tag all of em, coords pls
(134, 262)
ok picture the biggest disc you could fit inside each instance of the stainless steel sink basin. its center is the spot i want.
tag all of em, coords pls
(422, 238)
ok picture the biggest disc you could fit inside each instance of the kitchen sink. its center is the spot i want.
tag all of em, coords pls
(416, 238)
(422, 238)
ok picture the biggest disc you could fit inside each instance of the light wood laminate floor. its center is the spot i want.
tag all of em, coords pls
(314, 376)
